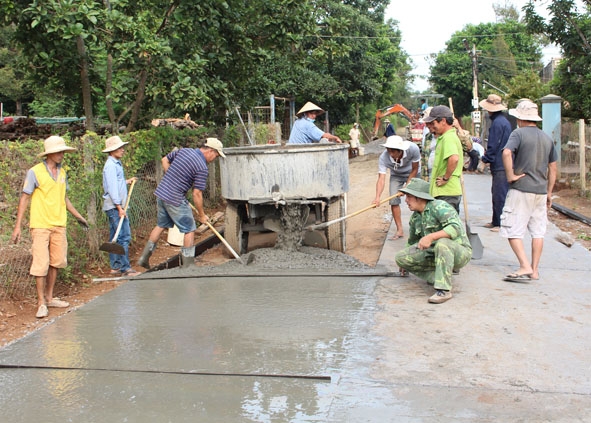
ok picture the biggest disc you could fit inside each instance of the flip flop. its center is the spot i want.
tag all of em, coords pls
(395, 237)
(514, 277)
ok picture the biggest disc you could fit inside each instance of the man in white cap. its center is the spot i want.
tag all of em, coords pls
(185, 169)
(498, 134)
(45, 188)
(304, 131)
(530, 166)
(114, 198)
(402, 159)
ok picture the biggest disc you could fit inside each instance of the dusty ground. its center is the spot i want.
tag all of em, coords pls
(365, 237)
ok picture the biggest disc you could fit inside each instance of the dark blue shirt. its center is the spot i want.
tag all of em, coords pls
(498, 134)
(188, 169)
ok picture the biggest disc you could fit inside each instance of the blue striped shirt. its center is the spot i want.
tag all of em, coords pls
(188, 169)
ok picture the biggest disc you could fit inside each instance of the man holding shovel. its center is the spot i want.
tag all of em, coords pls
(114, 205)
(437, 243)
(45, 188)
(185, 169)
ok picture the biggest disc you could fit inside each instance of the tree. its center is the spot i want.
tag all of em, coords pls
(570, 28)
(504, 51)
(13, 85)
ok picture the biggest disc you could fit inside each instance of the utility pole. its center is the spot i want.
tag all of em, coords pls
(476, 119)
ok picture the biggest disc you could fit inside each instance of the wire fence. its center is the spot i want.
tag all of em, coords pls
(84, 252)
(575, 166)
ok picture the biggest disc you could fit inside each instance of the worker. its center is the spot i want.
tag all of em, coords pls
(475, 154)
(184, 169)
(424, 105)
(529, 158)
(447, 165)
(437, 243)
(114, 197)
(304, 131)
(354, 143)
(45, 188)
(389, 129)
(403, 159)
(498, 135)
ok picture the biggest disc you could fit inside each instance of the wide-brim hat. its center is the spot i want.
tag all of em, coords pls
(396, 142)
(418, 188)
(216, 145)
(526, 110)
(492, 103)
(113, 143)
(438, 112)
(309, 107)
(55, 144)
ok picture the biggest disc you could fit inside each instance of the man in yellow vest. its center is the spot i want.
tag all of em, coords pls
(45, 188)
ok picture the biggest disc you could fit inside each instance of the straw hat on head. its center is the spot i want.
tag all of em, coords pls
(55, 144)
(418, 188)
(113, 143)
(526, 110)
(309, 107)
(397, 143)
(216, 145)
(386, 120)
(492, 103)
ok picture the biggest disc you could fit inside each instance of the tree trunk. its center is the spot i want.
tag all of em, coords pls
(139, 98)
(85, 82)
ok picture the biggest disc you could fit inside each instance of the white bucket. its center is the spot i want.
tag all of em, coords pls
(175, 237)
(361, 151)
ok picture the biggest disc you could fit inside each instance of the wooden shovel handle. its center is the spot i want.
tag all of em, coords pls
(125, 210)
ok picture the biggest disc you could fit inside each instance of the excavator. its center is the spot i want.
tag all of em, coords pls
(396, 108)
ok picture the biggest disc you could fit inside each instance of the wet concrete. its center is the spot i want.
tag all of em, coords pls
(281, 340)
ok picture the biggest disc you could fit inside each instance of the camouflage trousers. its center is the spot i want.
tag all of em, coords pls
(436, 263)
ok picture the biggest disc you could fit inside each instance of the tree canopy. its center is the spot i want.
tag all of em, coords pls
(131, 61)
(504, 50)
(569, 27)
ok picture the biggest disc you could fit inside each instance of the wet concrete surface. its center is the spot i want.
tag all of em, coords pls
(293, 343)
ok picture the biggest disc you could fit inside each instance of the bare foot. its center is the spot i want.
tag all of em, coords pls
(397, 236)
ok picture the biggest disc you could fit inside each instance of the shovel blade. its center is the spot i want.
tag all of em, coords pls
(475, 243)
(112, 248)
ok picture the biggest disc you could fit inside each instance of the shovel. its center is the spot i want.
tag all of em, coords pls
(112, 247)
(221, 238)
(330, 222)
(477, 248)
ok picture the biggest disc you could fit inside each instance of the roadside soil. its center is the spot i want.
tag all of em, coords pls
(365, 237)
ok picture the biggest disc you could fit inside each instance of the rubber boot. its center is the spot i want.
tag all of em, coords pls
(144, 260)
(187, 256)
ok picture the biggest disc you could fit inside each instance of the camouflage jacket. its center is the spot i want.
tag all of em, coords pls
(437, 215)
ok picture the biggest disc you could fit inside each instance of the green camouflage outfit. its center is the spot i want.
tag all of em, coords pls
(436, 263)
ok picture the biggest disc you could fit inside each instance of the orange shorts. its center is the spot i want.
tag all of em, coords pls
(49, 248)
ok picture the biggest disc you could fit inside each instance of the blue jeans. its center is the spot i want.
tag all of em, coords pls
(499, 190)
(119, 261)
